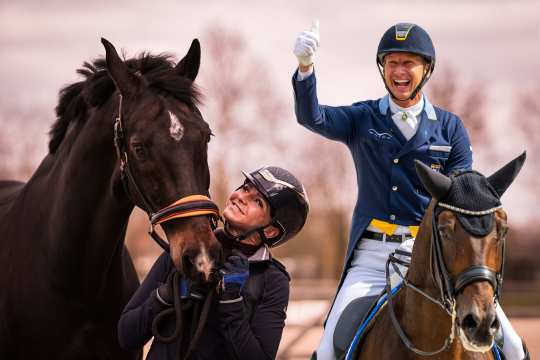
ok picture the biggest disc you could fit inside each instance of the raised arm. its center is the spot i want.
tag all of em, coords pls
(332, 122)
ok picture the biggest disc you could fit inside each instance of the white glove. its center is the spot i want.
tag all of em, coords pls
(307, 44)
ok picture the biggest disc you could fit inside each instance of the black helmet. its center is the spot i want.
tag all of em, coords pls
(288, 201)
(410, 38)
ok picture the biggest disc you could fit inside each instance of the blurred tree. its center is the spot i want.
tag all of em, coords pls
(22, 145)
(468, 101)
(528, 121)
(3, 156)
(327, 172)
(243, 108)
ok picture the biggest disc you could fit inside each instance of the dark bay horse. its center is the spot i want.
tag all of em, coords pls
(65, 274)
(445, 307)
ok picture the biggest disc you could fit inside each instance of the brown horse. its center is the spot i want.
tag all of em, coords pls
(445, 307)
(129, 134)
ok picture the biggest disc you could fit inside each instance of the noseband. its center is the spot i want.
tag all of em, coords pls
(188, 206)
(448, 287)
(451, 288)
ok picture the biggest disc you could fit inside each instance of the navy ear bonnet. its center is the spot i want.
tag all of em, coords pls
(470, 195)
(473, 200)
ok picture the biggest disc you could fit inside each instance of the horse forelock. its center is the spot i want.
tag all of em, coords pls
(97, 87)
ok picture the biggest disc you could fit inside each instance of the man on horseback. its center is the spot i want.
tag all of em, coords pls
(384, 136)
(247, 319)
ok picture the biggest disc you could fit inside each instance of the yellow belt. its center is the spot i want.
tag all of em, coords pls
(389, 229)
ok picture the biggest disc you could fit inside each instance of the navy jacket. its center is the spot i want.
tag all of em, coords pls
(233, 331)
(388, 187)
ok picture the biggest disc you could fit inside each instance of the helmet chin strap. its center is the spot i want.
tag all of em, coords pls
(238, 238)
(425, 78)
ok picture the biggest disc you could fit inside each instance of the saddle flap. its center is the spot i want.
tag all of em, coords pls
(350, 320)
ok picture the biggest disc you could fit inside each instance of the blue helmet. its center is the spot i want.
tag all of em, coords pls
(410, 38)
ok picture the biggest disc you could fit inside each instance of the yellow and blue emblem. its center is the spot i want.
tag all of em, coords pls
(402, 31)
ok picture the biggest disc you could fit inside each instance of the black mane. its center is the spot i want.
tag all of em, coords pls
(76, 99)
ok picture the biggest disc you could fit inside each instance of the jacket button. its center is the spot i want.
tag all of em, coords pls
(396, 161)
(394, 188)
(392, 217)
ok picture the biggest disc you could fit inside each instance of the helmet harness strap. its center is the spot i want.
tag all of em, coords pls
(428, 70)
(238, 238)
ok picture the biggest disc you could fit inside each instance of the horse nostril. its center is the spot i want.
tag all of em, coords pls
(495, 324)
(470, 322)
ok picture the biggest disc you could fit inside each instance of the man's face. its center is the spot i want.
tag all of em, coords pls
(402, 73)
(246, 209)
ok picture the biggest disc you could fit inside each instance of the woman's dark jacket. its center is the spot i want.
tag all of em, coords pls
(248, 329)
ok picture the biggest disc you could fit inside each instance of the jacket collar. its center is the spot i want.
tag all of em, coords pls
(262, 254)
(428, 108)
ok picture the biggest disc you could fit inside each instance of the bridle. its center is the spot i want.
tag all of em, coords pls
(448, 287)
(188, 206)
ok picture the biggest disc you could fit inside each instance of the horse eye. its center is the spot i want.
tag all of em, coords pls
(444, 231)
(140, 151)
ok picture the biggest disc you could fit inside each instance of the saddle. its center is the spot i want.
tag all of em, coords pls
(358, 318)
(356, 315)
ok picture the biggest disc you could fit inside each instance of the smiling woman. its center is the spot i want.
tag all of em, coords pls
(246, 210)
(247, 319)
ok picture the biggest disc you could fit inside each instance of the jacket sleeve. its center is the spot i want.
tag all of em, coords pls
(335, 123)
(135, 324)
(260, 338)
(461, 156)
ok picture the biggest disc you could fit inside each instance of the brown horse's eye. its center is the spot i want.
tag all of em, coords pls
(140, 151)
(445, 232)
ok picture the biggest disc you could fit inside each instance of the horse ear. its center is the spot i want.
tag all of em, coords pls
(118, 71)
(503, 177)
(189, 65)
(435, 183)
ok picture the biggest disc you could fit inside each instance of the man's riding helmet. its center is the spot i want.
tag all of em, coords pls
(410, 38)
(289, 204)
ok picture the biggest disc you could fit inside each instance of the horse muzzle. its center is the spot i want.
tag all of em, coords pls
(477, 321)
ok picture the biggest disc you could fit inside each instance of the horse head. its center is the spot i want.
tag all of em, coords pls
(468, 246)
(162, 142)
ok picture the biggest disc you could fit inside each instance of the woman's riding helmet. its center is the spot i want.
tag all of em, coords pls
(289, 204)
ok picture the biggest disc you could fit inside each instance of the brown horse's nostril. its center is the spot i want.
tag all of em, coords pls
(495, 324)
(470, 322)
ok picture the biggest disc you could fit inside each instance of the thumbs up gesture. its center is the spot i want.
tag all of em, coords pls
(307, 44)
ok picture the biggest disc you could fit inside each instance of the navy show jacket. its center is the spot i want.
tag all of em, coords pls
(388, 187)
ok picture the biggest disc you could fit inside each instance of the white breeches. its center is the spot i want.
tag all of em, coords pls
(366, 277)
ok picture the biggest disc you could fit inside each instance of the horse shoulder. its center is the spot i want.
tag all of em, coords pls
(381, 342)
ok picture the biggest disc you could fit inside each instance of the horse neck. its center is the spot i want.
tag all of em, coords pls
(418, 314)
(419, 272)
(88, 220)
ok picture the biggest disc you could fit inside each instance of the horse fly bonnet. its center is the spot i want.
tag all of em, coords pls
(474, 202)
